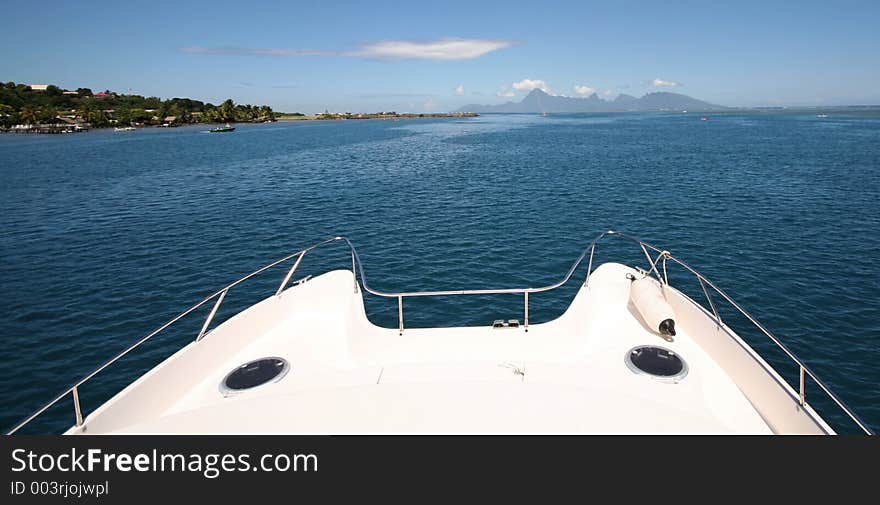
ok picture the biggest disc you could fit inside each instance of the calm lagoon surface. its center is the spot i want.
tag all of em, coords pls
(107, 235)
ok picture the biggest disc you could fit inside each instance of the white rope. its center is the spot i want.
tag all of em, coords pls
(519, 368)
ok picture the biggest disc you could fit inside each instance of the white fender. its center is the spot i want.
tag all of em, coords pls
(648, 299)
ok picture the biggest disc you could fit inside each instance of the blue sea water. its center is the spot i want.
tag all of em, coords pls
(106, 235)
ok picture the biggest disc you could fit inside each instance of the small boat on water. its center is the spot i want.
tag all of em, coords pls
(124, 129)
(223, 129)
(704, 118)
(822, 115)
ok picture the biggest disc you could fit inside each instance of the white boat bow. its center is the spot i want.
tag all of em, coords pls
(307, 360)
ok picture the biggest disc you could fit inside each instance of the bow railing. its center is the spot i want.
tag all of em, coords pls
(657, 264)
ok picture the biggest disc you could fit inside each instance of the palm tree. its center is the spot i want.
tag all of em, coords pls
(48, 115)
(123, 115)
(99, 118)
(7, 115)
(227, 110)
(28, 115)
(85, 111)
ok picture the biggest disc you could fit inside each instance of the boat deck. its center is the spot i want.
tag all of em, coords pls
(349, 376)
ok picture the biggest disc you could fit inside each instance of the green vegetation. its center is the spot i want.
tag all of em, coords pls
(19, 104)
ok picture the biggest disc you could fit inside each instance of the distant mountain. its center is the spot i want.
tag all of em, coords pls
(538, 101)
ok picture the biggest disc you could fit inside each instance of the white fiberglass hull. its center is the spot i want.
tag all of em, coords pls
(568, 375)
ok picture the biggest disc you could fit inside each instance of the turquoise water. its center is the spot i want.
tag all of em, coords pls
(106, 235)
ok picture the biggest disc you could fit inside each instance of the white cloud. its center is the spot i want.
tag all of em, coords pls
(660, 83)
(443, 49)
(505, 92)
(584, 90)
(529, 85)
(459, 90)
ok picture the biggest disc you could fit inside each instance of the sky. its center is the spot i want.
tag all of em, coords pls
(373, 55)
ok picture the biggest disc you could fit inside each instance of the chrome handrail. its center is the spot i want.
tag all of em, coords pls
(358, 271)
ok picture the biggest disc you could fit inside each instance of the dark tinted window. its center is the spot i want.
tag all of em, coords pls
(656, 361)
(255, 373)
